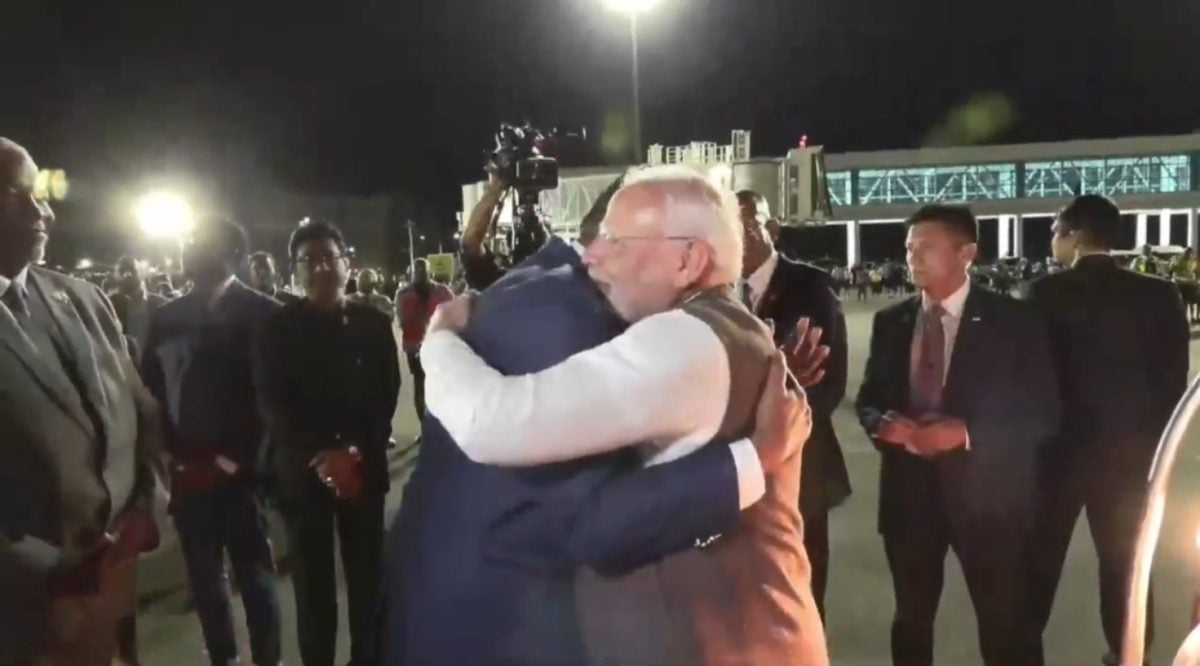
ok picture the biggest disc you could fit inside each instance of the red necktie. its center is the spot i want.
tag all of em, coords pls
(930, 373)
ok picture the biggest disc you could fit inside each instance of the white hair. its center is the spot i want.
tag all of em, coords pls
(697, 207)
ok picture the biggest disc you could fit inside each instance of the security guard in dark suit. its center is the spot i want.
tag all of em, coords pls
(785, 291)
(1120, 346)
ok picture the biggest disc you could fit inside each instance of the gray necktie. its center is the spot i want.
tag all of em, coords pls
(929, 379)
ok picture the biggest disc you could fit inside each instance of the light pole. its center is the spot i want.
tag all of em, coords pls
(412, 253)
(634, 8)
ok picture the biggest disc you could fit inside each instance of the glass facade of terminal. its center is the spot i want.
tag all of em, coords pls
(1113, 176)
(920, 185)
(1151, 174)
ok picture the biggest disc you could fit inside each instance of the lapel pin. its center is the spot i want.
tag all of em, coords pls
(976, 319)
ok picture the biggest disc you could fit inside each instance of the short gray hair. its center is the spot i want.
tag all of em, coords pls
(697, 206)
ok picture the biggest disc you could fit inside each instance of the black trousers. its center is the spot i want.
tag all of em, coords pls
(816, 544)
(310, 525)
(418, 376)
(1114, 509)
(994, 555)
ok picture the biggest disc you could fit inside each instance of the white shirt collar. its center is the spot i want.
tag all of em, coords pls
(20, 280)
(954, 303)
(761, 277)
(578, 247)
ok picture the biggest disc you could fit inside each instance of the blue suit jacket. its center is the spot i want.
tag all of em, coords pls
(481, 560)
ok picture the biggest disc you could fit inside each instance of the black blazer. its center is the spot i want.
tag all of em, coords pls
(1120, 342)
(1001, 383)
(324, 379)
(799, 290)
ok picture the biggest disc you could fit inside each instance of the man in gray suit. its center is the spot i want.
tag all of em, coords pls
(77, 459)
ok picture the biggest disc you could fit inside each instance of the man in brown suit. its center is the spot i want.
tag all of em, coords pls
(77, 464)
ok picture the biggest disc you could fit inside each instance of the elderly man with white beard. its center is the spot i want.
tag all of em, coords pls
(689, 370)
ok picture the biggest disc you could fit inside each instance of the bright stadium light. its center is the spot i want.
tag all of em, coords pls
(631, 6)
(84, 264)
(164, 215)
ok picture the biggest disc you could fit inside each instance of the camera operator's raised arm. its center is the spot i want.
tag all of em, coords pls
(479, 264)
(480, 219)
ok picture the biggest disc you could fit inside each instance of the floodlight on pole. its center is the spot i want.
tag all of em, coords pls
(634, 8)
(631, 6)
(164, 215)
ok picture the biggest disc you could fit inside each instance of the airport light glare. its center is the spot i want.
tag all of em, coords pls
(631, 6)
(164, 215)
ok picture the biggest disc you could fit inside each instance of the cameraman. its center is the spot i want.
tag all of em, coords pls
(480, 265)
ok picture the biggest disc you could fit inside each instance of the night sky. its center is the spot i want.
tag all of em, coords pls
(365, 96)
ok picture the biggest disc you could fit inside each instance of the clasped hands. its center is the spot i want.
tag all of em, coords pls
(926, 436)
(339, 470)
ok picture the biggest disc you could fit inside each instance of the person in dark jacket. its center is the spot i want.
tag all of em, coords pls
(197, 364)
(265, 279)
(1120, 342)
(959, 398)
(133, 303)
(786, 291)
(328, 376)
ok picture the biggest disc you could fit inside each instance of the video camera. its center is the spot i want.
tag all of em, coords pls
(519, 161)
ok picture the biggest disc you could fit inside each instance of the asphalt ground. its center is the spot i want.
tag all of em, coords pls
(860, 595)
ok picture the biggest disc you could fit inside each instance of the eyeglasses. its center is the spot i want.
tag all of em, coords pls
(609, 238)
(327, 261)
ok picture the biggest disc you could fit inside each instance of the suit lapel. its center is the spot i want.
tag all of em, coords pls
(52, 379)
(965, 343)
(902, 352)
(768, 304)
(71, 328)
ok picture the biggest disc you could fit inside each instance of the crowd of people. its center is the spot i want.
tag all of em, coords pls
(628, 453)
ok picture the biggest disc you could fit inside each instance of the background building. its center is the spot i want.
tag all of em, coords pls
(1014, 189)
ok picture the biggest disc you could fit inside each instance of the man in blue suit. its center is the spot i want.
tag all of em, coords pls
(474, 575)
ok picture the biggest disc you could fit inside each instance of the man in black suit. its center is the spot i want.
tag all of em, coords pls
(197, 364)
(785, 291)
(1120, 343)
(328, 376)
(959, 397)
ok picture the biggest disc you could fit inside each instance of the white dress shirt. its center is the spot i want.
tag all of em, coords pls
(20, 281)
(760, 279)
(665, 381)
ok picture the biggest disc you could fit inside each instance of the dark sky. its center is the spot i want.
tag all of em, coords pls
(379, 95)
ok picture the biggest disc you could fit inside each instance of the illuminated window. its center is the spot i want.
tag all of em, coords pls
(919, 185)
(841, 192)
(1148, 174)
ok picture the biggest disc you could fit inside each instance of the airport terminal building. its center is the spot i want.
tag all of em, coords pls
(1014, 189)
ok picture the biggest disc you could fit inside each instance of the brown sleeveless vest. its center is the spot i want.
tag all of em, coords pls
(744, 598)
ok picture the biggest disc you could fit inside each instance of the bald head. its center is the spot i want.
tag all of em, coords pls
(25, 217)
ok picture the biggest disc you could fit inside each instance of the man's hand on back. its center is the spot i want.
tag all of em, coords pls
(783, 421)
(453, 315)
(804, 352)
